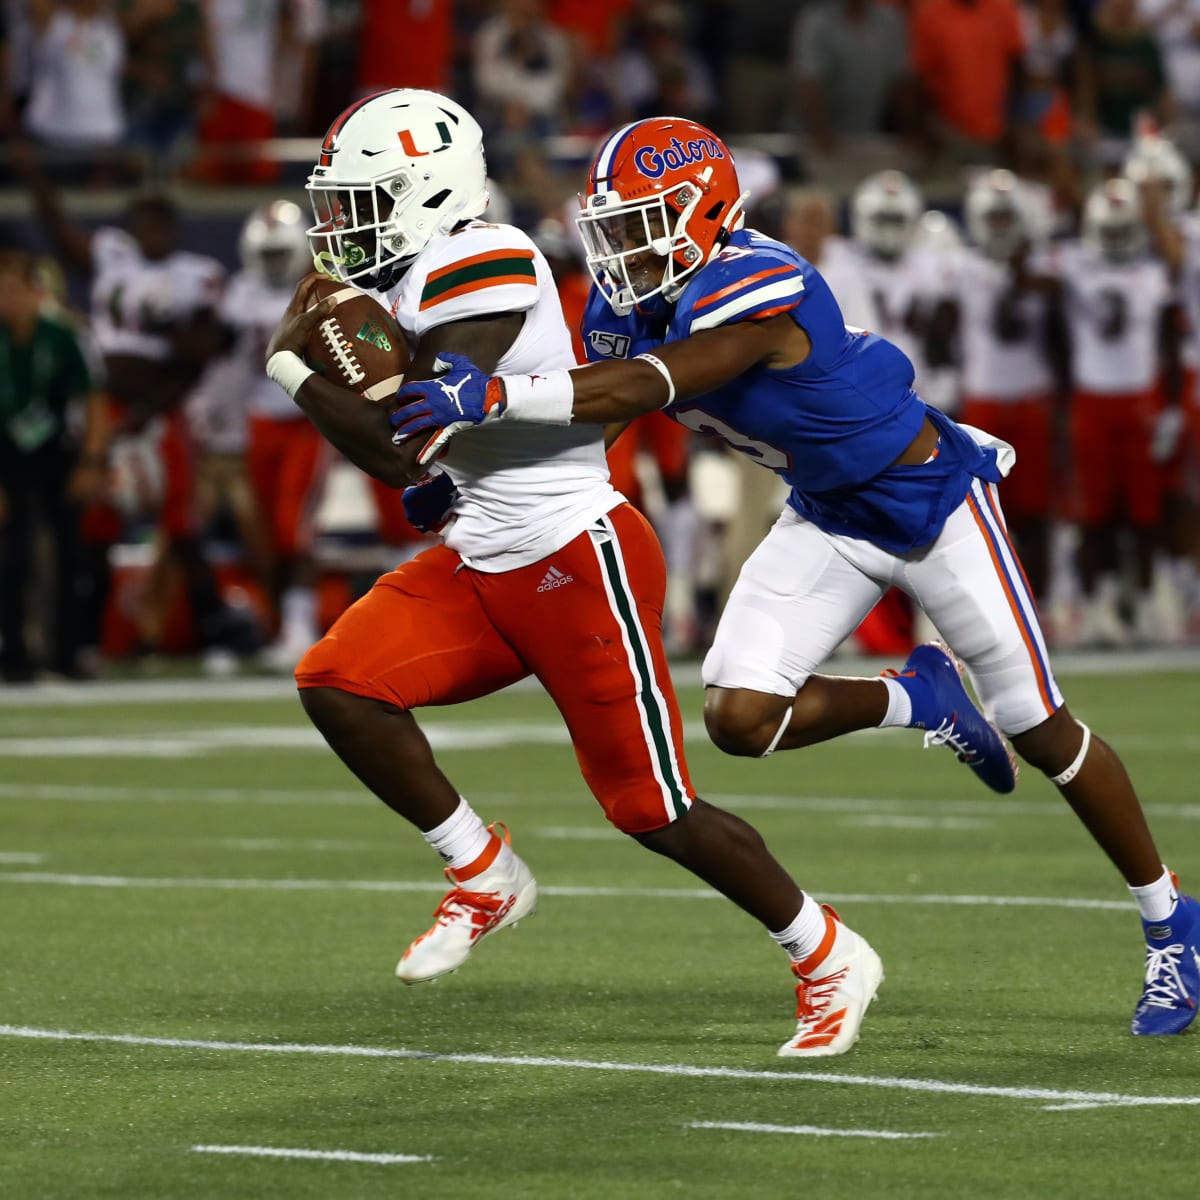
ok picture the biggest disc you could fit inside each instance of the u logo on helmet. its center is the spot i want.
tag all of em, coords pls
(653, 162)
(409, 145)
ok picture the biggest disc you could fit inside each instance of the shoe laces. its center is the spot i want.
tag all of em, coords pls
(945, 735)
(815, 995)
(1164, 985)
(480, 908)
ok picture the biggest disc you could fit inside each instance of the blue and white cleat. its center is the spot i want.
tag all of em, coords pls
(1172, 988)
(932, 677)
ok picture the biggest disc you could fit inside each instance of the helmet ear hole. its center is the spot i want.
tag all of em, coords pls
(714, 212)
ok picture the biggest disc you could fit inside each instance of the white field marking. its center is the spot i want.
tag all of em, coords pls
(1051, 806)
(466, 735)
(897, 821)
(223, 691)
(101, 794)
(266, 843)
(353, 1156)
(575, 833)
(206, 883)
(684, 1070)
(809, 1130)
(17, 857)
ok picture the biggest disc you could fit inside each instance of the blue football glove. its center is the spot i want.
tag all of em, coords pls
(428, 502)
(460, 397)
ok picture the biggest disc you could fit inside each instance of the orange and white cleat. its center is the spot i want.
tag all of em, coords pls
(836, 985)
(500, 895)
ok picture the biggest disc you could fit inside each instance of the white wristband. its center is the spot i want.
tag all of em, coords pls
(661, 368)
(546, 399)
(288, 370)
(1065, 777)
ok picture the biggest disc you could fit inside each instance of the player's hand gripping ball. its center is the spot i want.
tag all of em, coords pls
(345, 335)
(358, 344)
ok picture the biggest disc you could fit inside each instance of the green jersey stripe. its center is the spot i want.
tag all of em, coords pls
(478, 272)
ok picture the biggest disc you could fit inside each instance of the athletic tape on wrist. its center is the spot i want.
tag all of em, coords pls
(1066, 776)
(787, 719)
(546, 399)
(661, 368)
(288, 370)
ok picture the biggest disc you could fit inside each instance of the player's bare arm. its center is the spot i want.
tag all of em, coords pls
(619, 391)
(361, 430)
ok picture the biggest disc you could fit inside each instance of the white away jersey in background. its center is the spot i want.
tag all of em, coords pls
(134, 297)
(1114, 313)
(525, 490)
(1001, 330)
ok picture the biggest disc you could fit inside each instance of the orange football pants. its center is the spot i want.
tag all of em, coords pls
(1025, 425)
(1110, 449)
(287, 460)
(586, 621)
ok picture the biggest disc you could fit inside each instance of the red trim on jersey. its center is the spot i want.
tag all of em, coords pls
(738, 285)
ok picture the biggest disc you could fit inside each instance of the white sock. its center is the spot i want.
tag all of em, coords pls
(805, 934)
(899, 709)
(1156, 901)
(298, 612)
(461, 838)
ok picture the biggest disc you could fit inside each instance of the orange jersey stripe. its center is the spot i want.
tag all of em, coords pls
(476, 286)
(1013, 604)
(738, 285)
(474, 261)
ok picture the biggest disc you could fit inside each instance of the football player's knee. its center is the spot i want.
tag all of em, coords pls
(327, 707)
(735, 726)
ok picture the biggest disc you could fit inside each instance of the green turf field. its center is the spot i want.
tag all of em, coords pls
(202, 912)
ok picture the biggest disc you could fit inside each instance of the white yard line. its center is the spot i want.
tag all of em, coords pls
(207, 883)
(224, 691)
(190, 742)
(808, 1130)
(1050, 806)
(18, 857)
(1053, 1096)
(268, 843)
(576, 833)
(352, 1156)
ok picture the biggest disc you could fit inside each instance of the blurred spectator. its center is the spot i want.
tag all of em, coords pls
(75, 92)
(657, 72)
(966, 53)
(405, 43)
(1176, 26)
(162, 70)
(1047, 69)
(754, 49)
(1121, 74)
(245, 43)
(52, 458)
(522, 70)
(850, 62)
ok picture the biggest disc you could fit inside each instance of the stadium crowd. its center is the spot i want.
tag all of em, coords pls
(1003, 190)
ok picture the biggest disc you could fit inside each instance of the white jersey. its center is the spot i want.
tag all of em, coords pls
(254, 308)
(1001, 330)
(75, 99)
(134, 298)
(896, 293)
(525, 490)
(245, 36)
(1114, 315)
(237, 386)
(1188, 292)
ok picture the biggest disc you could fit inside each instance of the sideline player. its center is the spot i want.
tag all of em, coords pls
(545, 569)
(885, 489)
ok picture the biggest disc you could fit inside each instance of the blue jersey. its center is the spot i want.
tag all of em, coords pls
(832, 425)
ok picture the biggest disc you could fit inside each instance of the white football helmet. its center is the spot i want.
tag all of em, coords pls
(1112, 221)
(938, 234)
(274, 244)
(396, 170)
(997, 212)
(884, 213)
(1154, 158)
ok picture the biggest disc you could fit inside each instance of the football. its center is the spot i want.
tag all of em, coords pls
(359, 345)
